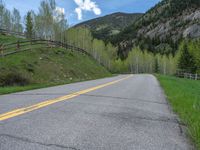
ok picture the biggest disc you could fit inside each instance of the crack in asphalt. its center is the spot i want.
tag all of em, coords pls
(103, 96)
(131, 99)
(39, 143)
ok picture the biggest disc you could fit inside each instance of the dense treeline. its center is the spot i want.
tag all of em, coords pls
(186, 59)
(105, 54)
(189, 57)
(138, 60)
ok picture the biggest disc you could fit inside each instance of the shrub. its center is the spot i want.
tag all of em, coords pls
(13, 78)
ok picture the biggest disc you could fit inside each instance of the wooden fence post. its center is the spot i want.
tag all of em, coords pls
(18, 45)
(48, 45)
(1, 50)
(196, 76)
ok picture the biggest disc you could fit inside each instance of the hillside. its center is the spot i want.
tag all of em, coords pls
(104, 27)
(46, 66)
(162, 27)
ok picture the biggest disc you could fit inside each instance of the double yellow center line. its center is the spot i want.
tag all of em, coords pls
(24, 110)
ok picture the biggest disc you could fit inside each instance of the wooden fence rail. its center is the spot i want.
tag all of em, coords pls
(34, 41)
(4, 31)
(191, 76)
(19, 46)
(11, 48)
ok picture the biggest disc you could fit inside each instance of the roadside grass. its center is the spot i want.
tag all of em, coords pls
(14, 89)
(184, 97)
(48, 67)
(42, 67)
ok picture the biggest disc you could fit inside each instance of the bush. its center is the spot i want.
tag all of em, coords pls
(30, 68)
(13, 78)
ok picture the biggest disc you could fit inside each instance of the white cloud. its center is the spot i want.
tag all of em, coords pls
(58, 13)
(60, 10)
(86, 5)
(79, 13)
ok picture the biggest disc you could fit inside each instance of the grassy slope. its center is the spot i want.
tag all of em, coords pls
(49, 66)
(8, 39)
(184, 96)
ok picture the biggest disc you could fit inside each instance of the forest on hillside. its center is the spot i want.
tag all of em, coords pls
(49, 23)
(162, 28)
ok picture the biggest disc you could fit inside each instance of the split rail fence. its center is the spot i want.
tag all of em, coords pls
(22, 45)
(184, 74)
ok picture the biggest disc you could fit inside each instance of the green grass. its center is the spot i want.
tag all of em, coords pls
(184, 97)
(13, 89)
(48, 67)
(9, 39)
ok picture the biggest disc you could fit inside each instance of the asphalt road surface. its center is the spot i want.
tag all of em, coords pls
(126, 112)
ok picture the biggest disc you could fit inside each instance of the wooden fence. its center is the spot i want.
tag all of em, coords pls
(183, 74)
(8, 32)
(19, 46)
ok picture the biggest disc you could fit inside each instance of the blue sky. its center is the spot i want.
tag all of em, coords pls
(80, 10)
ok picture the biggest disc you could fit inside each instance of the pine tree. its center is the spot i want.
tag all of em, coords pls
(186, 61)
(156, 67)
(29, 25)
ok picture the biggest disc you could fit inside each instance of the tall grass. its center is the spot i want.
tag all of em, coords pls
(184, 96)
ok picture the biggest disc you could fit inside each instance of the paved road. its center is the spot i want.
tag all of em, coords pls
(129, 114)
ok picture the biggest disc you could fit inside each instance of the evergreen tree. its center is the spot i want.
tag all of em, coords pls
(194, 48)
(156, 67)
(186, 61)
(29, 25)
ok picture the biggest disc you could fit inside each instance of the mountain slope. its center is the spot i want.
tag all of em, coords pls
(162, 27)
(104, 27)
